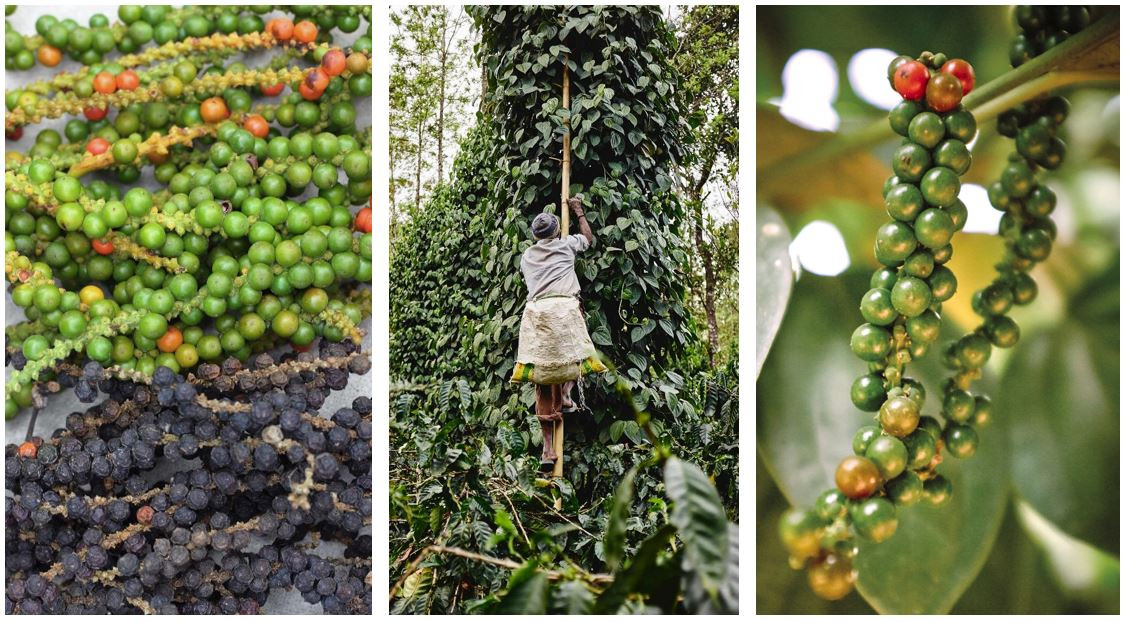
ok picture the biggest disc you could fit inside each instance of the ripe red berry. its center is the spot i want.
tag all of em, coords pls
(15, 133)
(95, 114)
(97, 146)
(963, 72)
(910, 79)
(943, 92)
(102, 247)
(144, 514)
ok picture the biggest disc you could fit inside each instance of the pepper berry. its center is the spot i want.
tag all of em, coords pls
(857, 477)
(962, 70)
(910, 79)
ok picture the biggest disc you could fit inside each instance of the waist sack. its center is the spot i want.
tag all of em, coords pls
(553, 343)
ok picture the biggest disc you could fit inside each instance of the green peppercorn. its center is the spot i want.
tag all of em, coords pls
(961, 440)
(920, 446)
(1034, 244)
(933, 228)
(953, 154)
(868, 342)
(911, 161)
(894, 242)
(874, 519)
(1002, 331)
(1017, 180)
(904, 202)
(868, 392)
(905, 489)
(889, 455)
(925, 327)
(898, 416)
(911, 296)
(883, 278)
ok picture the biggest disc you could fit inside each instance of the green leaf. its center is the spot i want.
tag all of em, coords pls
(700, 519)
(638, 571)
(527, 592)
(774, 278)
(728, 601)
(573, 598)
(805, 424)
(616, 534)
(1060, 394)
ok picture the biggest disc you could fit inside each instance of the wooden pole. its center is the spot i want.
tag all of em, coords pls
(566, 169)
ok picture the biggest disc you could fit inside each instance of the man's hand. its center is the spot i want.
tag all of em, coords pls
(576, 207)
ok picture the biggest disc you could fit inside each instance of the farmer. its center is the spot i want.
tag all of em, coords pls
(554, 348)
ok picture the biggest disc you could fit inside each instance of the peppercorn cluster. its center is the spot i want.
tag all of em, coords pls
(197, 494)
(231, 256)
(894, 460)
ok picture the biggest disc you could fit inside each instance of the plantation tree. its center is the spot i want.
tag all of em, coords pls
(430, 89)
(467, 504)
(707, 60)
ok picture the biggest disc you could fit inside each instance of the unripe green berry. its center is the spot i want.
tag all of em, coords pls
(905, 489)
(864, 436)
(961, 440)
(874, 519)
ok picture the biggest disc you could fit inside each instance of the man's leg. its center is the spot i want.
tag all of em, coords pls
(544, 410)
(567, 404)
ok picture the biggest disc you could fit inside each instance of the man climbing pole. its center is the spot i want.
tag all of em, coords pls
(554, 349)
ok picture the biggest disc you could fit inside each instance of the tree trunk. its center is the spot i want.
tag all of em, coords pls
(419, 161)
(706, 253)
(442, 92)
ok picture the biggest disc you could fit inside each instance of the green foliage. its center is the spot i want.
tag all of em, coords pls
(462, 467)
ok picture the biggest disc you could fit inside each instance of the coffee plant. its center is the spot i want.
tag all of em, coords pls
(473, 526)
(902, 457)
(256, 240)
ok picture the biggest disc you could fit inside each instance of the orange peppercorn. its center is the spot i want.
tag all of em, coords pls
(363, 221)
(282, 29)
(97, 146)
(305, 31)
(317, 79)
(307, 92)
(102, 247)
(214, 110)
(28, 449)
(128, 80)
(356, 63)
(171, 340)
(49, 55)
(105, 82)
(257, 125)
(333, 63)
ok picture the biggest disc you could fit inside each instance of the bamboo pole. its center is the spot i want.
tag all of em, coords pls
(566, 169)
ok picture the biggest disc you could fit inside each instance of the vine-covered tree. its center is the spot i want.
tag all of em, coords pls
(467, 504)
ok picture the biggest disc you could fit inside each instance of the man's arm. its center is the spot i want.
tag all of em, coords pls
(578, 211)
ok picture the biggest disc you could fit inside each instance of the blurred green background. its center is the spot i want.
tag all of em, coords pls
(1034, 523)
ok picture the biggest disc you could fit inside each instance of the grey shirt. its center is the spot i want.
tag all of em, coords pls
(549, 266)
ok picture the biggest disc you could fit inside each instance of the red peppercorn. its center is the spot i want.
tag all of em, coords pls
(15, 133)
(963, 72)
(97, 146)
(96, 114)
(271, 91)
(910, 79)
(102, 247)
(144, 515)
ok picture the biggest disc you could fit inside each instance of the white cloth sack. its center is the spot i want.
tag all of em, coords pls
(554, 339)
